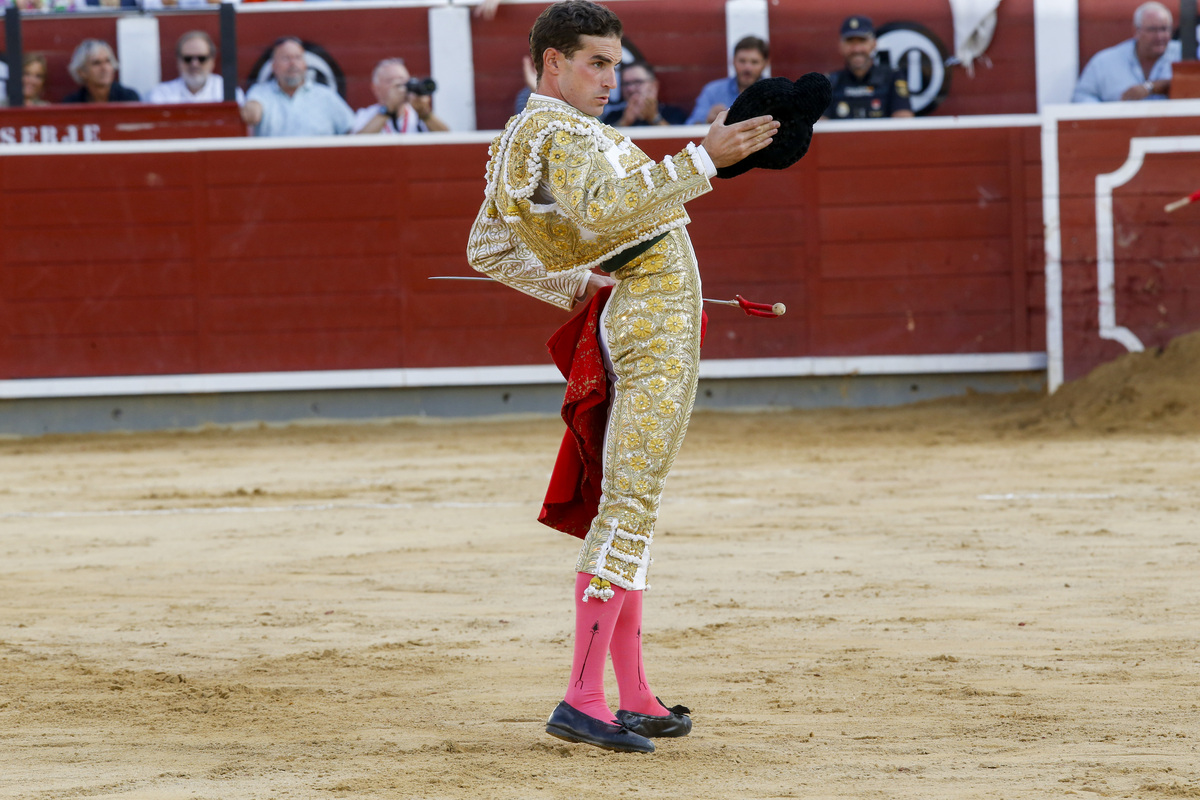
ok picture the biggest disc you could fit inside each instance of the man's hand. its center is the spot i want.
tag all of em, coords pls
(729, 144)
(1141, 91)
(594, 284)
(252, 112)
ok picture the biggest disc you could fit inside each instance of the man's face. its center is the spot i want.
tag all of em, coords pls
(749, 65)
(287, 64)
(1153, 35)
(858, 51)
(586, 78)
(195, 63)
(389, 79)
(98, 69)
(636, 81)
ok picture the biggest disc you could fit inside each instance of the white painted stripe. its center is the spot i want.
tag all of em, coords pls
(745, 18)
(871, 365)
(137, 51)
(693, 132)
(1139, 148)
(452, 63)
(334, 5)
(326, 380)
(1056, 50)
(1138, 109)
(1052, 243)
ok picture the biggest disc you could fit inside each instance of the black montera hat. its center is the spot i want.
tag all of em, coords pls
(796, 105)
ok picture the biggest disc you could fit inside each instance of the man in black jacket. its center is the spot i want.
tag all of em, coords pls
(864, 89)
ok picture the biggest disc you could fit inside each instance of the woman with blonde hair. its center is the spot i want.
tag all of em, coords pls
(33, 79)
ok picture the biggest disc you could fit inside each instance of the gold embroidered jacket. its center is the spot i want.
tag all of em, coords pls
(566, 193)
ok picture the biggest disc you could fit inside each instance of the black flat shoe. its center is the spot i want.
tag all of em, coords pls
(573, 725)
(676, 723)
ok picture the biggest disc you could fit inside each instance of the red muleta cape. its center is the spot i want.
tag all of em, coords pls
(573, 496)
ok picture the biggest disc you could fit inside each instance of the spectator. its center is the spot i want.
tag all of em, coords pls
(530, 74)
(394, 112)
(33, 78)
(864, 89)
(639, 100)
(291, 104)
(195, 58)
(1137, 68)
(94, 67)
(750, 58)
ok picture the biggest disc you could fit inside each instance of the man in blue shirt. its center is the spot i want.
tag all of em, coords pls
(750, 58)
(1136, 69)
(292, 105)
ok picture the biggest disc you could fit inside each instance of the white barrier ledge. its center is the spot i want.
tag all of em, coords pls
(325, 380)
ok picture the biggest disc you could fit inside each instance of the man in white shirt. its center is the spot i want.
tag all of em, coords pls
(196, 57)
(292, 105)
(397, 110)
(1137, 68)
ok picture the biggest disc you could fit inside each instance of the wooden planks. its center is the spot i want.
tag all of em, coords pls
(318, 258)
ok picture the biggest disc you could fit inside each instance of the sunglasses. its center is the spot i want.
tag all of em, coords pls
(194, 59)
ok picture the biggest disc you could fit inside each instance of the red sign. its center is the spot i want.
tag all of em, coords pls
(88, 122)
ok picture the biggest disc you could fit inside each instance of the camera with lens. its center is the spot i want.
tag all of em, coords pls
(421, 86)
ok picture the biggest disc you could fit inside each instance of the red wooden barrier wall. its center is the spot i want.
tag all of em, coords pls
(312, 257)
(1156, 284)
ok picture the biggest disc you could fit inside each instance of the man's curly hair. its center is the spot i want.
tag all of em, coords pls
(561, 25)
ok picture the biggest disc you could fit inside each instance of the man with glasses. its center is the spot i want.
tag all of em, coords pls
(639, 104)
(196, 58)
(1136, 69)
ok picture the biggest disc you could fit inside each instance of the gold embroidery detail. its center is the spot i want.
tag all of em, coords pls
(675, 323)
(642, 328)
(639, 285)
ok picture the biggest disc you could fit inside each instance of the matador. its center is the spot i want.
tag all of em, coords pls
(573, 206)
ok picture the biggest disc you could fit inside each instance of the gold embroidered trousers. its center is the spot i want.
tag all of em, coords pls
(652, 324)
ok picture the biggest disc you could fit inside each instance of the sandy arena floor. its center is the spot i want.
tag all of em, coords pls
(957, 600)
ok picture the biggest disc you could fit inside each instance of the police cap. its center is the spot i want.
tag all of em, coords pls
(857, 27)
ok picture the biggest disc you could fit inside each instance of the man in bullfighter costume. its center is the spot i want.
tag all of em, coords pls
(567, 195)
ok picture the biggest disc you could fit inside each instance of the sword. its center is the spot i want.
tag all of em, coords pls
(769, 310)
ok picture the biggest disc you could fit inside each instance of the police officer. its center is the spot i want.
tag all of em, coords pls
(864, 89)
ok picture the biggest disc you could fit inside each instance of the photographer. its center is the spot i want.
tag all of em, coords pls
(405, 104)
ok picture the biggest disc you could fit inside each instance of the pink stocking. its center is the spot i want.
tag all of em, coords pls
(594, 623)
(626, 648)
